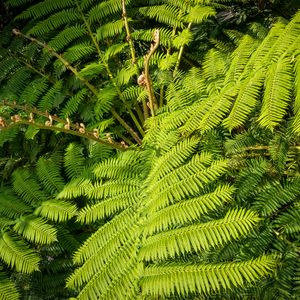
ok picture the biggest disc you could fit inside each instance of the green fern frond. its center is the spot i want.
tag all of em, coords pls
(183, 38)
(275, 196)
(103, 10)
(214, 67)
(75, 188)
(179, 154)
(92, 70)
(198, 14)
(296, 122)
(116, 231)
(112, 188)
(205, 279)
(8, 290)
(15, 253)
(44, 8)
(126, 165)
(35, 230)
(165, 35)
(289, 221)
(110, 29)
(246, 100)
(74, 102)
(48, 100)
(240, 58)
(49, 174)
(107, 208)
(12, 207)
(95, 263)
(166, 14)
(199, 237)
(56, 210)
(105, 99)
(8, 64)
(250, 177)
(16, 3)
(55, 21)
(114, 50)
(74, 161)
(188, 210)
(66, 36)
(27, 187)
(18, 80)
(125, 74)
(8, 134)
(32, 93)
(278, 93)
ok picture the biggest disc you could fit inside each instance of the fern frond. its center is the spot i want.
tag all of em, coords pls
(16, 254)
(55, 21)
(48, 100)
(118, 230)
(74, 102)
(75, 188)
(199, 237)
(278, 93)
(112, 188)
(296, 122)
(92, 70)
(27, 187)
(246, 100)
(179, 154)
(240, 58)
(35, 230)
(188, 210)
(45, 8)
(275, 195)
(32, 93)
(56, 210)
(74, 161)
(126, 165)
(49, 174)
(66, 36)
(103, 10)
(198, 14)
(8, 290)
(114, 50)
(110, 29)
(107, 208)
(204, 279)
(12, 207)
(166, 14)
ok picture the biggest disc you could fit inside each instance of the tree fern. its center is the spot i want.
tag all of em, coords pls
(141, 216)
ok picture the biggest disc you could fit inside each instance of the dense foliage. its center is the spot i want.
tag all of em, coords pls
(149, 149)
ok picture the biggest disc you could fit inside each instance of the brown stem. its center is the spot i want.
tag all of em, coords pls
(87, 135)
(148, 82)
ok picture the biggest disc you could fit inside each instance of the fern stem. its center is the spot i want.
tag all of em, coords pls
(128, 38)
(148, 81)
(180, 55)
(87, 135)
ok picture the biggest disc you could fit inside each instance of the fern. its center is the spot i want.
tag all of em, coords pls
(8, 289)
